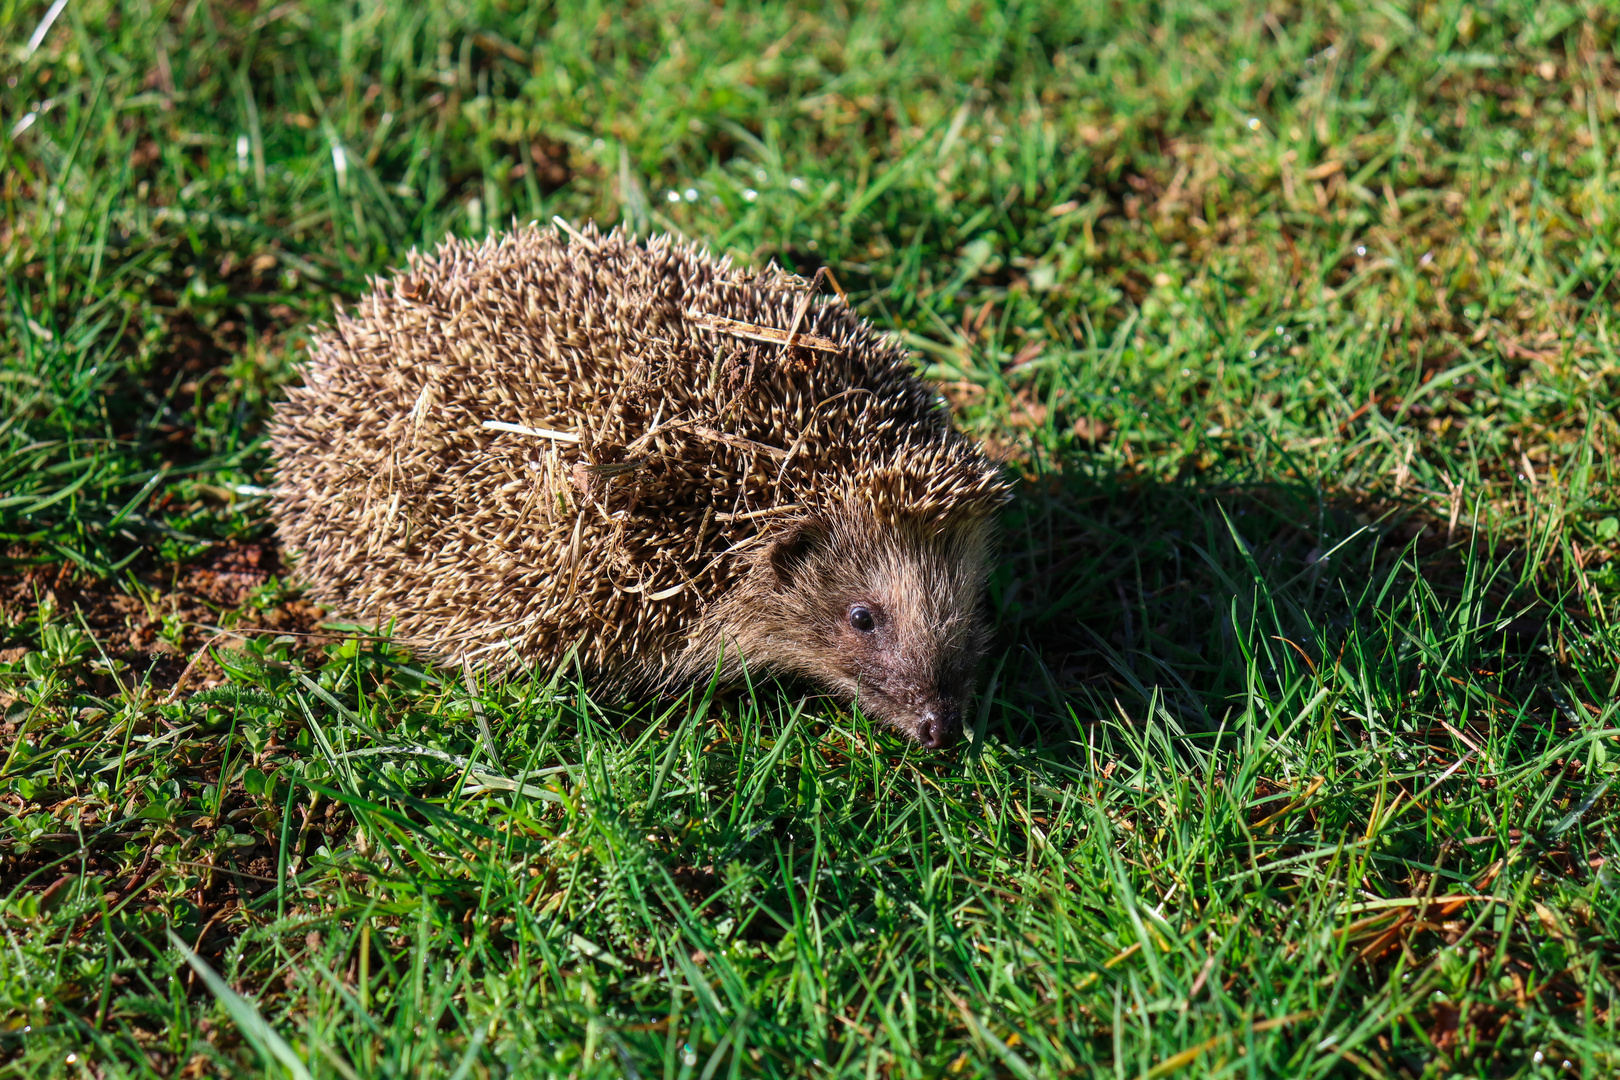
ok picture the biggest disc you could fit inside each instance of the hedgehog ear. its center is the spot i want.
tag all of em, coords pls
(791, 549)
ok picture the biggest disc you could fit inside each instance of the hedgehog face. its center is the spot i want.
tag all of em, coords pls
(887, 616)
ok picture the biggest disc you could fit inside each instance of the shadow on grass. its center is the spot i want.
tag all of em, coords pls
(1121, 598)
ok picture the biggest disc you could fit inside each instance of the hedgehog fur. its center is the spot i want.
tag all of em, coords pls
(564, 440)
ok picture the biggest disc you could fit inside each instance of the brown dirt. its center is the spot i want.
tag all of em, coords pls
(204, 601)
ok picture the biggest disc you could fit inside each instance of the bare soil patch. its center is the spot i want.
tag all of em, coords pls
(157, 619)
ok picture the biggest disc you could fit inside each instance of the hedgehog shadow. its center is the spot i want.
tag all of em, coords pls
(1119, 597)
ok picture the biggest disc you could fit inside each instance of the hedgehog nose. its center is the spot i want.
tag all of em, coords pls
(939, 725)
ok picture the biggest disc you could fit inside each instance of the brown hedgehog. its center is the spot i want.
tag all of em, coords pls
(549, 442)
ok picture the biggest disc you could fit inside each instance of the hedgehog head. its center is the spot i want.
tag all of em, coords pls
(886, 613)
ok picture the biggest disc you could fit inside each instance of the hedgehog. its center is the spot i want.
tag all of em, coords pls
(562, 443)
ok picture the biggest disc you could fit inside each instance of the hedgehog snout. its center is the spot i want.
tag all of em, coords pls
(939, 724)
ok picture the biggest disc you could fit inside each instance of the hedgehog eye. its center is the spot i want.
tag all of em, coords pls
(861, 619)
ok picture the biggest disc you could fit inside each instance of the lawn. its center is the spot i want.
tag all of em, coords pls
(1293, 754)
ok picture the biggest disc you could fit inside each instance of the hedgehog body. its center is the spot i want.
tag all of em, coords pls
(545, 443)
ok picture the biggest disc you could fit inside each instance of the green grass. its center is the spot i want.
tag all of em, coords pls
(1293, 757)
